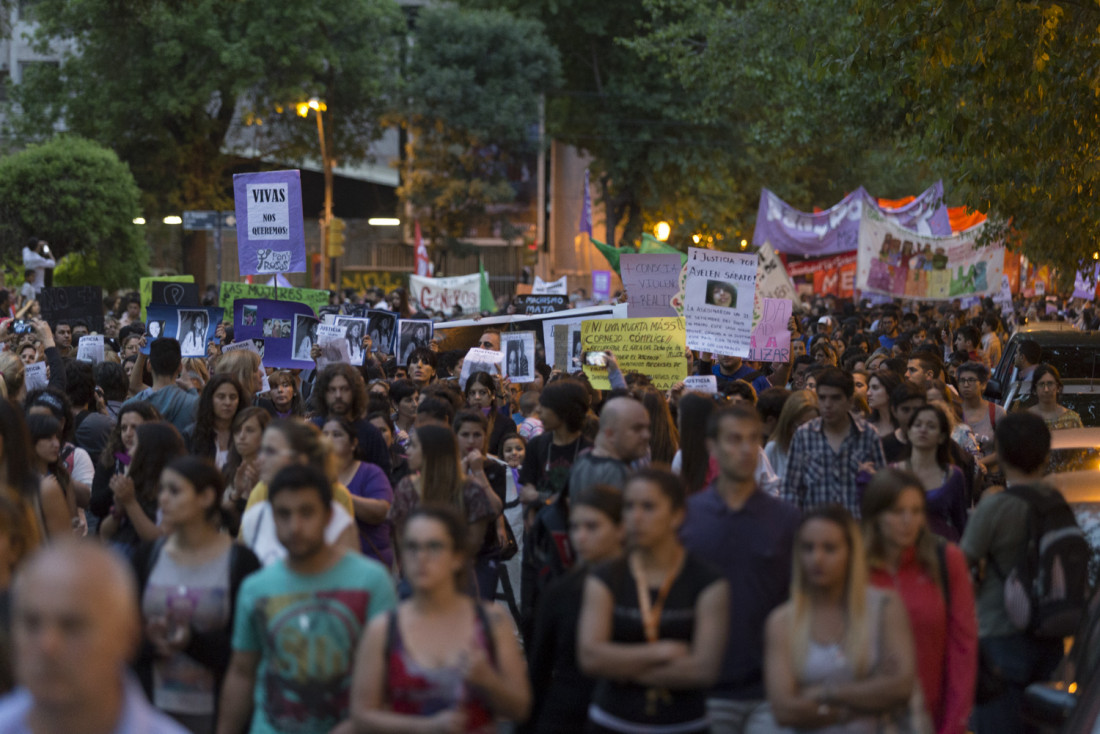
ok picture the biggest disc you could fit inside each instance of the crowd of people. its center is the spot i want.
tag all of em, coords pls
(208, 545)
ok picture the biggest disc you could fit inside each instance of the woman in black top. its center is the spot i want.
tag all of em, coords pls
(562, 692)
(653, 624)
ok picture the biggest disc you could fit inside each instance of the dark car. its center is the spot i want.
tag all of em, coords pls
(1075, 354)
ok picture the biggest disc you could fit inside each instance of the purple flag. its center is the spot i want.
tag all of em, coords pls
(585, 226)
(270, 234)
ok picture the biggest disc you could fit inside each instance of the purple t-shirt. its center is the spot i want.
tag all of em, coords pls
(371, 483)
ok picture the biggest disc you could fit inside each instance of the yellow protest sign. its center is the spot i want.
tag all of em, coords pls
(230, 292)
(653, 347)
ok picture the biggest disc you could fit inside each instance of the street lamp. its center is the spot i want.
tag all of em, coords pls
(326, 165)
(662, 230)
(173, 219)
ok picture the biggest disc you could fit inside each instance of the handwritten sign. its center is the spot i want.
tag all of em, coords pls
(145, 290)
(248, 345)
(701, 383)
(333, 341)
(90, 349)
(443, 294)
(480, 360)
(651, 282)
(719, 291)
(550, 340)
(230, 292)
(270, 231)
(83, 302)
(771, 339)
(654, 347)
(772, 280)
(531, 304)
(543, 287)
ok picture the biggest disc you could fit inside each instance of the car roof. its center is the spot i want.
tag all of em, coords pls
(1070, 438)
(1058, 336)
(1040, 326)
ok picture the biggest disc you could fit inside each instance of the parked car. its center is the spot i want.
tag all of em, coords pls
(1075, 354)
(1082, 396)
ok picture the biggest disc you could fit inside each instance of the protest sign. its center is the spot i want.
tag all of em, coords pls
(701, 383)
(315, 299)
(34, 377)
(573, 348)
(1085, 282)
(651, 282)
(412, 334)
(771, 337)
(601, 285)
(481, 360)
(719, 293)
(899, 263)
(333, 341)
(552, 287)
(443, 294)
(532, 304)
(270, 232)
(193, 328)
(560, 345)
(824, 276)
(654, 347)
(519, 355)
(354, 331)
(84, 302)
(772, 280)
(272, 323)
(145, 290)
(248, 345)
(90, 349)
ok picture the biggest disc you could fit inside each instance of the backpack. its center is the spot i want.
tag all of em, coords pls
(1046, 593)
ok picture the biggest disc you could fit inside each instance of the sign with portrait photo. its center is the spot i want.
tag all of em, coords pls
(719, 291)
(193, 328)
(519, 355)
(271, 324)
(412, 334)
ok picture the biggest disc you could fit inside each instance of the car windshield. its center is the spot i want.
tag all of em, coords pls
(1087, 405)
(1078, 458)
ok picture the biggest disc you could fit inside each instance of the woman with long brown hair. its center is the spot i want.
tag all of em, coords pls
(481, 395)
(211, 435)
(838, 654)
(664, 438)
(800, 408)
(933, 580)
(694, 463)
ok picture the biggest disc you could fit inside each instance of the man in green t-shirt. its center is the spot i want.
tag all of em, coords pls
(997, 534)
(299, 620)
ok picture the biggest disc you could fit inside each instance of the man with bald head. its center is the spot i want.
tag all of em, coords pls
(75, 624)
(623, 438)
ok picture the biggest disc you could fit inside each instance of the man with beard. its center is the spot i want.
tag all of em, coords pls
(341, 393)
(300, 619)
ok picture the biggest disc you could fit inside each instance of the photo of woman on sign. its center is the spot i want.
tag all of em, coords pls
(720, 293)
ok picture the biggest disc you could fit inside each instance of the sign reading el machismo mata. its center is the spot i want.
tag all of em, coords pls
(900, 263)
(270, 233)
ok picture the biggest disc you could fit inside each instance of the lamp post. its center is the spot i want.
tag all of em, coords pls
(326, 166)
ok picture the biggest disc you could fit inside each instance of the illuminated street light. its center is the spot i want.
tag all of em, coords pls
(173, 219)
(744, 244)
(695, 238)
(662, 230)
(139, 220)
(384, 222)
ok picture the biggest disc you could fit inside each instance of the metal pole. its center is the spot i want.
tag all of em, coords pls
(326, 165)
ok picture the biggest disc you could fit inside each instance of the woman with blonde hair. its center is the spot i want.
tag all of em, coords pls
(839, 654)
(800, 408)
(245, 366)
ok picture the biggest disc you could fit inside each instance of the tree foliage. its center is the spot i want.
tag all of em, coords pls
(82, 199)
(472, 88)
(1008, 94)
(163, 82)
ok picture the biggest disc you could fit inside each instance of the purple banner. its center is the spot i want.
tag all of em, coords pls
(280, 329)
(1084, 284)
(836, 230)
(270, 233)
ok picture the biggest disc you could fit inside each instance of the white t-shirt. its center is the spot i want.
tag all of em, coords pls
(258, 530)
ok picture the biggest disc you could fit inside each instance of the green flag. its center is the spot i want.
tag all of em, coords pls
(488, 303)
(651, 245)
(611, 254)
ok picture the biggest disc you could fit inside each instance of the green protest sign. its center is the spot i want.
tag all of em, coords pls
(145, 287)
(232, 291)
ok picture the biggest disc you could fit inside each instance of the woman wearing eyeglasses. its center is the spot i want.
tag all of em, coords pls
(1046, 385)
(441, 661)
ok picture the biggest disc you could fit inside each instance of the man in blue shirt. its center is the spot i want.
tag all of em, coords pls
(75, 624)
(178, 406)
(749, 535)
(734, 368)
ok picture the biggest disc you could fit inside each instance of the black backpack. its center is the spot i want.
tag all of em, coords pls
(1046, 593)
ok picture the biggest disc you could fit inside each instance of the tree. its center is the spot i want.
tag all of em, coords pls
(82, 199)
(473, 87)
(1008, 95)
(165, 83)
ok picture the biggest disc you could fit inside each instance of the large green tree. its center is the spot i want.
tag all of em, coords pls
(163, 83)
(1008, 94)
(472, 94)
(82, 199)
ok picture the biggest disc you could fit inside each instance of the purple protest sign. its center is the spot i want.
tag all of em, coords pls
(601, 285)
(771, 339)
(1084, 284)
(274, 326)
(836, 229)
(270, 234)
(651, 281)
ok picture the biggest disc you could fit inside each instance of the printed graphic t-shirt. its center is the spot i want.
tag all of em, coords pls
(307, 629)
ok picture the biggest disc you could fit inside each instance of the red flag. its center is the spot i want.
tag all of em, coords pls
(423, 264)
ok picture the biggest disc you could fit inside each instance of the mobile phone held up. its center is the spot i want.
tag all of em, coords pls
(596, 359)
(22, 326)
